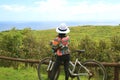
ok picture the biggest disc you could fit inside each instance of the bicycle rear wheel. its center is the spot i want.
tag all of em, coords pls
(97, 71)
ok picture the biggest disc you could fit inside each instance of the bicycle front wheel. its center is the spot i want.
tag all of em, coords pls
(43, 72)
(97, 71)
(45, 69)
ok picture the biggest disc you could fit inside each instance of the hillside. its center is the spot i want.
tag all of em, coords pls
(101, 43)
(78, 32)
(96, 40)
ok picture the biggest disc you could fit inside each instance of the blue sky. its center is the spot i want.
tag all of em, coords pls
(60, 10)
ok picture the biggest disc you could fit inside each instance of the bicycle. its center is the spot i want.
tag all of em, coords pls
(88, 70)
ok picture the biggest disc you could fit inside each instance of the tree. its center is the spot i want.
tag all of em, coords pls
(11, 42)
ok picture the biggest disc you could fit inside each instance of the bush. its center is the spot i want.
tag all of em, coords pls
(11, 42)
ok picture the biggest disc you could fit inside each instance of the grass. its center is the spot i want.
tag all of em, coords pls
(79, 32)
(25, 74)
(20, 74)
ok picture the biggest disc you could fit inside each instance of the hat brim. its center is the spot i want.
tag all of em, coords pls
(62, 32)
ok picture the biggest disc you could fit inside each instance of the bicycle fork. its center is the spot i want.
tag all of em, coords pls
(50, 65)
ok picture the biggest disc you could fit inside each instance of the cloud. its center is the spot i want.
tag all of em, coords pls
(51, 6)
(14, 8)
(67, 10)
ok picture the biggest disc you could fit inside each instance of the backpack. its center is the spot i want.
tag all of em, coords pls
(60, 46)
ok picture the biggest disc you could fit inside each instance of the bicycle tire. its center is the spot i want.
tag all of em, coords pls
(43, 74)
(96, 68)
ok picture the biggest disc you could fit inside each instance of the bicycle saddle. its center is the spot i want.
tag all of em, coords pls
(80, 51)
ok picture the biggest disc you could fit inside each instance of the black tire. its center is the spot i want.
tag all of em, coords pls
(97, 70)
(43, 73)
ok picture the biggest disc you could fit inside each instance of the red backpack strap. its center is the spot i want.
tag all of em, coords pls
(65, 41)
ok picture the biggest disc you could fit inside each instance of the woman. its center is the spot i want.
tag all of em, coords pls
(60, 47)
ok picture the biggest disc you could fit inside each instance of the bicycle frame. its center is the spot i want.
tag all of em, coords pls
(77, 62)
(74, 65)
(72, 72)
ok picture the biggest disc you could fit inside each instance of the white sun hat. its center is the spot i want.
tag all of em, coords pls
(63, 29)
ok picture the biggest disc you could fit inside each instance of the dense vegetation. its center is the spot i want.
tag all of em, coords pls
(101, 43)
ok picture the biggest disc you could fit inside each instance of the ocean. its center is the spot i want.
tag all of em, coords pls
(44, 25)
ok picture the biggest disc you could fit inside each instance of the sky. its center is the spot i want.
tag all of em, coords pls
(60, 10)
